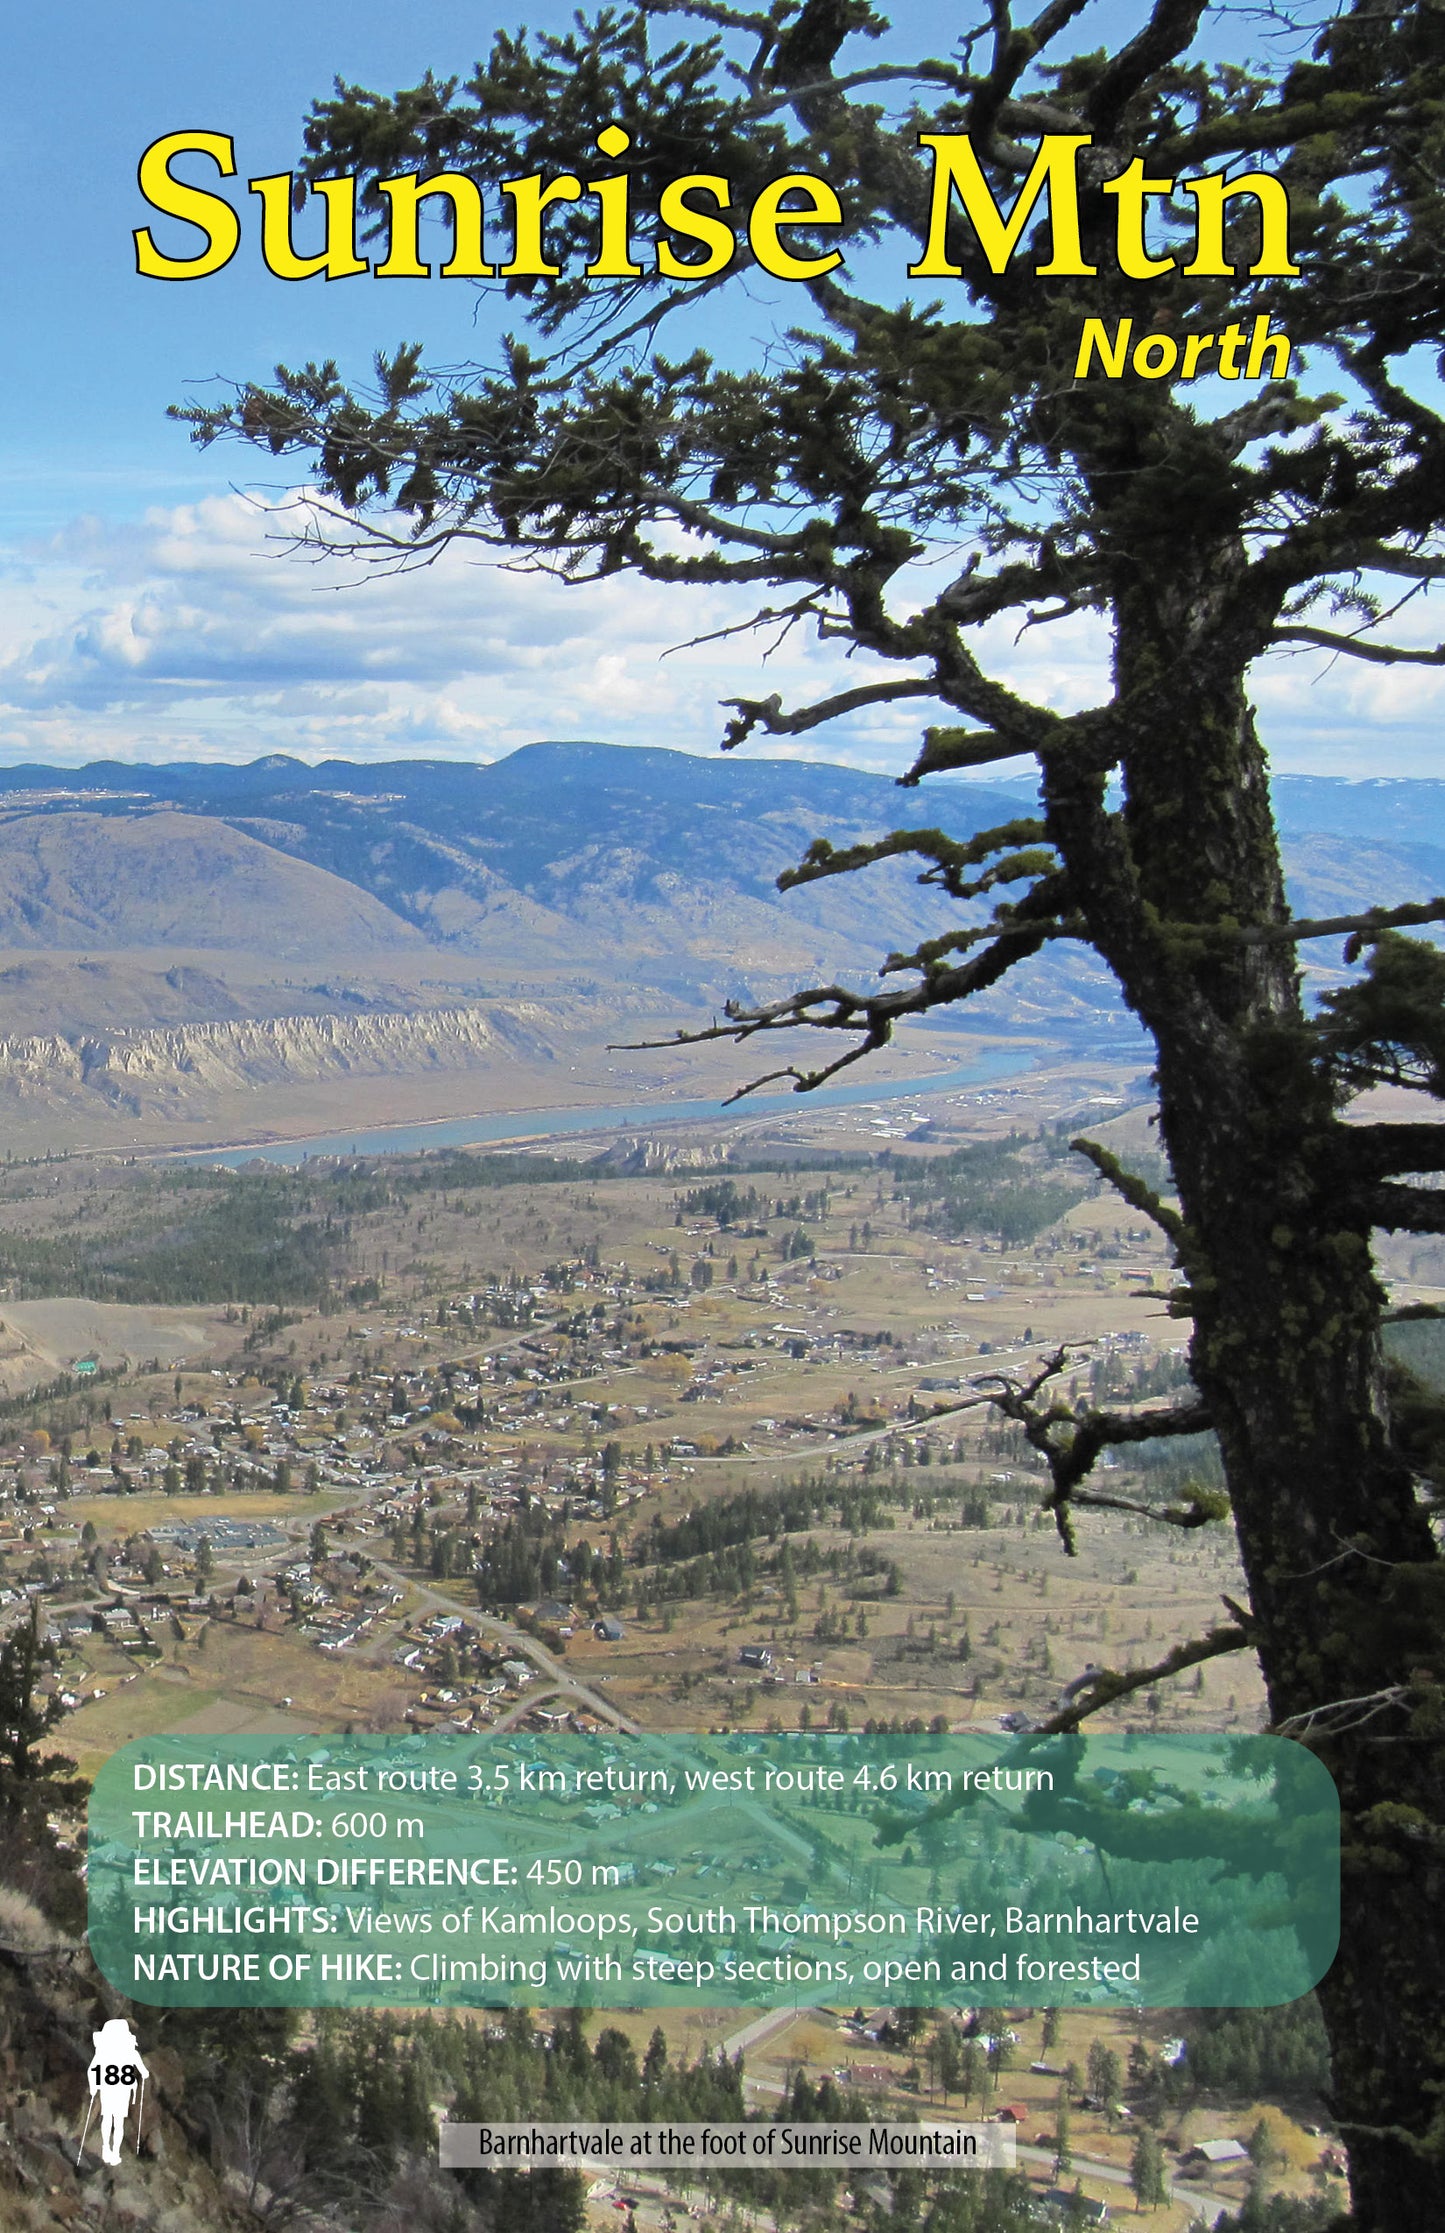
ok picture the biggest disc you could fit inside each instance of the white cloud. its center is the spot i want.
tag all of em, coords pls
(199, 632)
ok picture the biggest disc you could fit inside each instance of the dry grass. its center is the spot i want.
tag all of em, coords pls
(23, 1928)
(243, 1676)
(136, 1515)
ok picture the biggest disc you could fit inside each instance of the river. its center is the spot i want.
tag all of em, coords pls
(987, 1068)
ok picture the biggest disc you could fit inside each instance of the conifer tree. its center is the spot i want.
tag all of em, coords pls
(1291, 505)
(25, 1716)
(1146, 2172)
(1063, 2152)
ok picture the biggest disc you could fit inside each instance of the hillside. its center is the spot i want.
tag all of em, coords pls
(51, 2004)
(158, 878)
(654, 857)
(572, 894)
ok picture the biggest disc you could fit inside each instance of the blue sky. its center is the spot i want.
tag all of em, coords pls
(150, 608)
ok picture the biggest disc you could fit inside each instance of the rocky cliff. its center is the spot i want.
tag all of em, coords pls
(220, 951)
(139, 1068)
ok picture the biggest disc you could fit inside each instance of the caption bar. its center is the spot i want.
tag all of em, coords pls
(713, 1871)
(621, 2148)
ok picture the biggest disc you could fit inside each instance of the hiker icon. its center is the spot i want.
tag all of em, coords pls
(116, 2075)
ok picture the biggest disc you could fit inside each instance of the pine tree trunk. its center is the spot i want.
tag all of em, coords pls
(1345, 1591)
(1346, 1586)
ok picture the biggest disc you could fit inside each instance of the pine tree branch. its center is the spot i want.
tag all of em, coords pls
(1109, 1685)
(1071, 1443)
(1300, 928)
(1011, 850)
(1357, 647)
(1406, 1209)
(1133, 1190)
(872, 1015)
(1377, 1151)
(1340, 1714)
(716, 11)
(1171, 26)
(767, 713)
(1016, 728)
(1202, 1510)
(945, 749)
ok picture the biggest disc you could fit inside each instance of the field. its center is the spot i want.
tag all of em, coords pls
(727, 1390)
(231, 1683)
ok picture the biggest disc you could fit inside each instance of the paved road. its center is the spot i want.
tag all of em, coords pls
(520, 1646)
(763, 2027)
(1209, 2206)
(832, 1444)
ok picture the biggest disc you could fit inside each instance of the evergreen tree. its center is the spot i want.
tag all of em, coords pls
(1292, 504)
(1105, 2073)
(36, 1786)
(947, 2059)
(1146, 2172)
(1261, 2147)
(1063, 2154)
(25, 1717)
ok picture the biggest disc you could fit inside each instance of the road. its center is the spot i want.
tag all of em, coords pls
(520, 1646)
(1210, 2206)
(766, 2026)
(832, 1444)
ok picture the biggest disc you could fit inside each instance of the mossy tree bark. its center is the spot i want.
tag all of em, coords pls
(1346, 1585)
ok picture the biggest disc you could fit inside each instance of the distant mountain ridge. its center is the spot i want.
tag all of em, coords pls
(639, 843)
(1410, 808)
(176, 937)
(562, 856)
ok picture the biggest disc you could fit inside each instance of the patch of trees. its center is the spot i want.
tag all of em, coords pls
(243, 1239)
(1258, 2051)
(735, 1569)
(726, 1202)
(1283, 2213)
(36, 1784)
(764, 1515)
(528, 1558)
(1010, 1189)
(1419, 1344)
(1170, 1469)
(57, 1391)
(199, 1235)
(453, 1170)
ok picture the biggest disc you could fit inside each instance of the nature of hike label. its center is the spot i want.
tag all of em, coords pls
(726, 1871)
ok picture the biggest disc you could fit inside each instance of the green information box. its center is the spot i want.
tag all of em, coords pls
(727, 1871)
